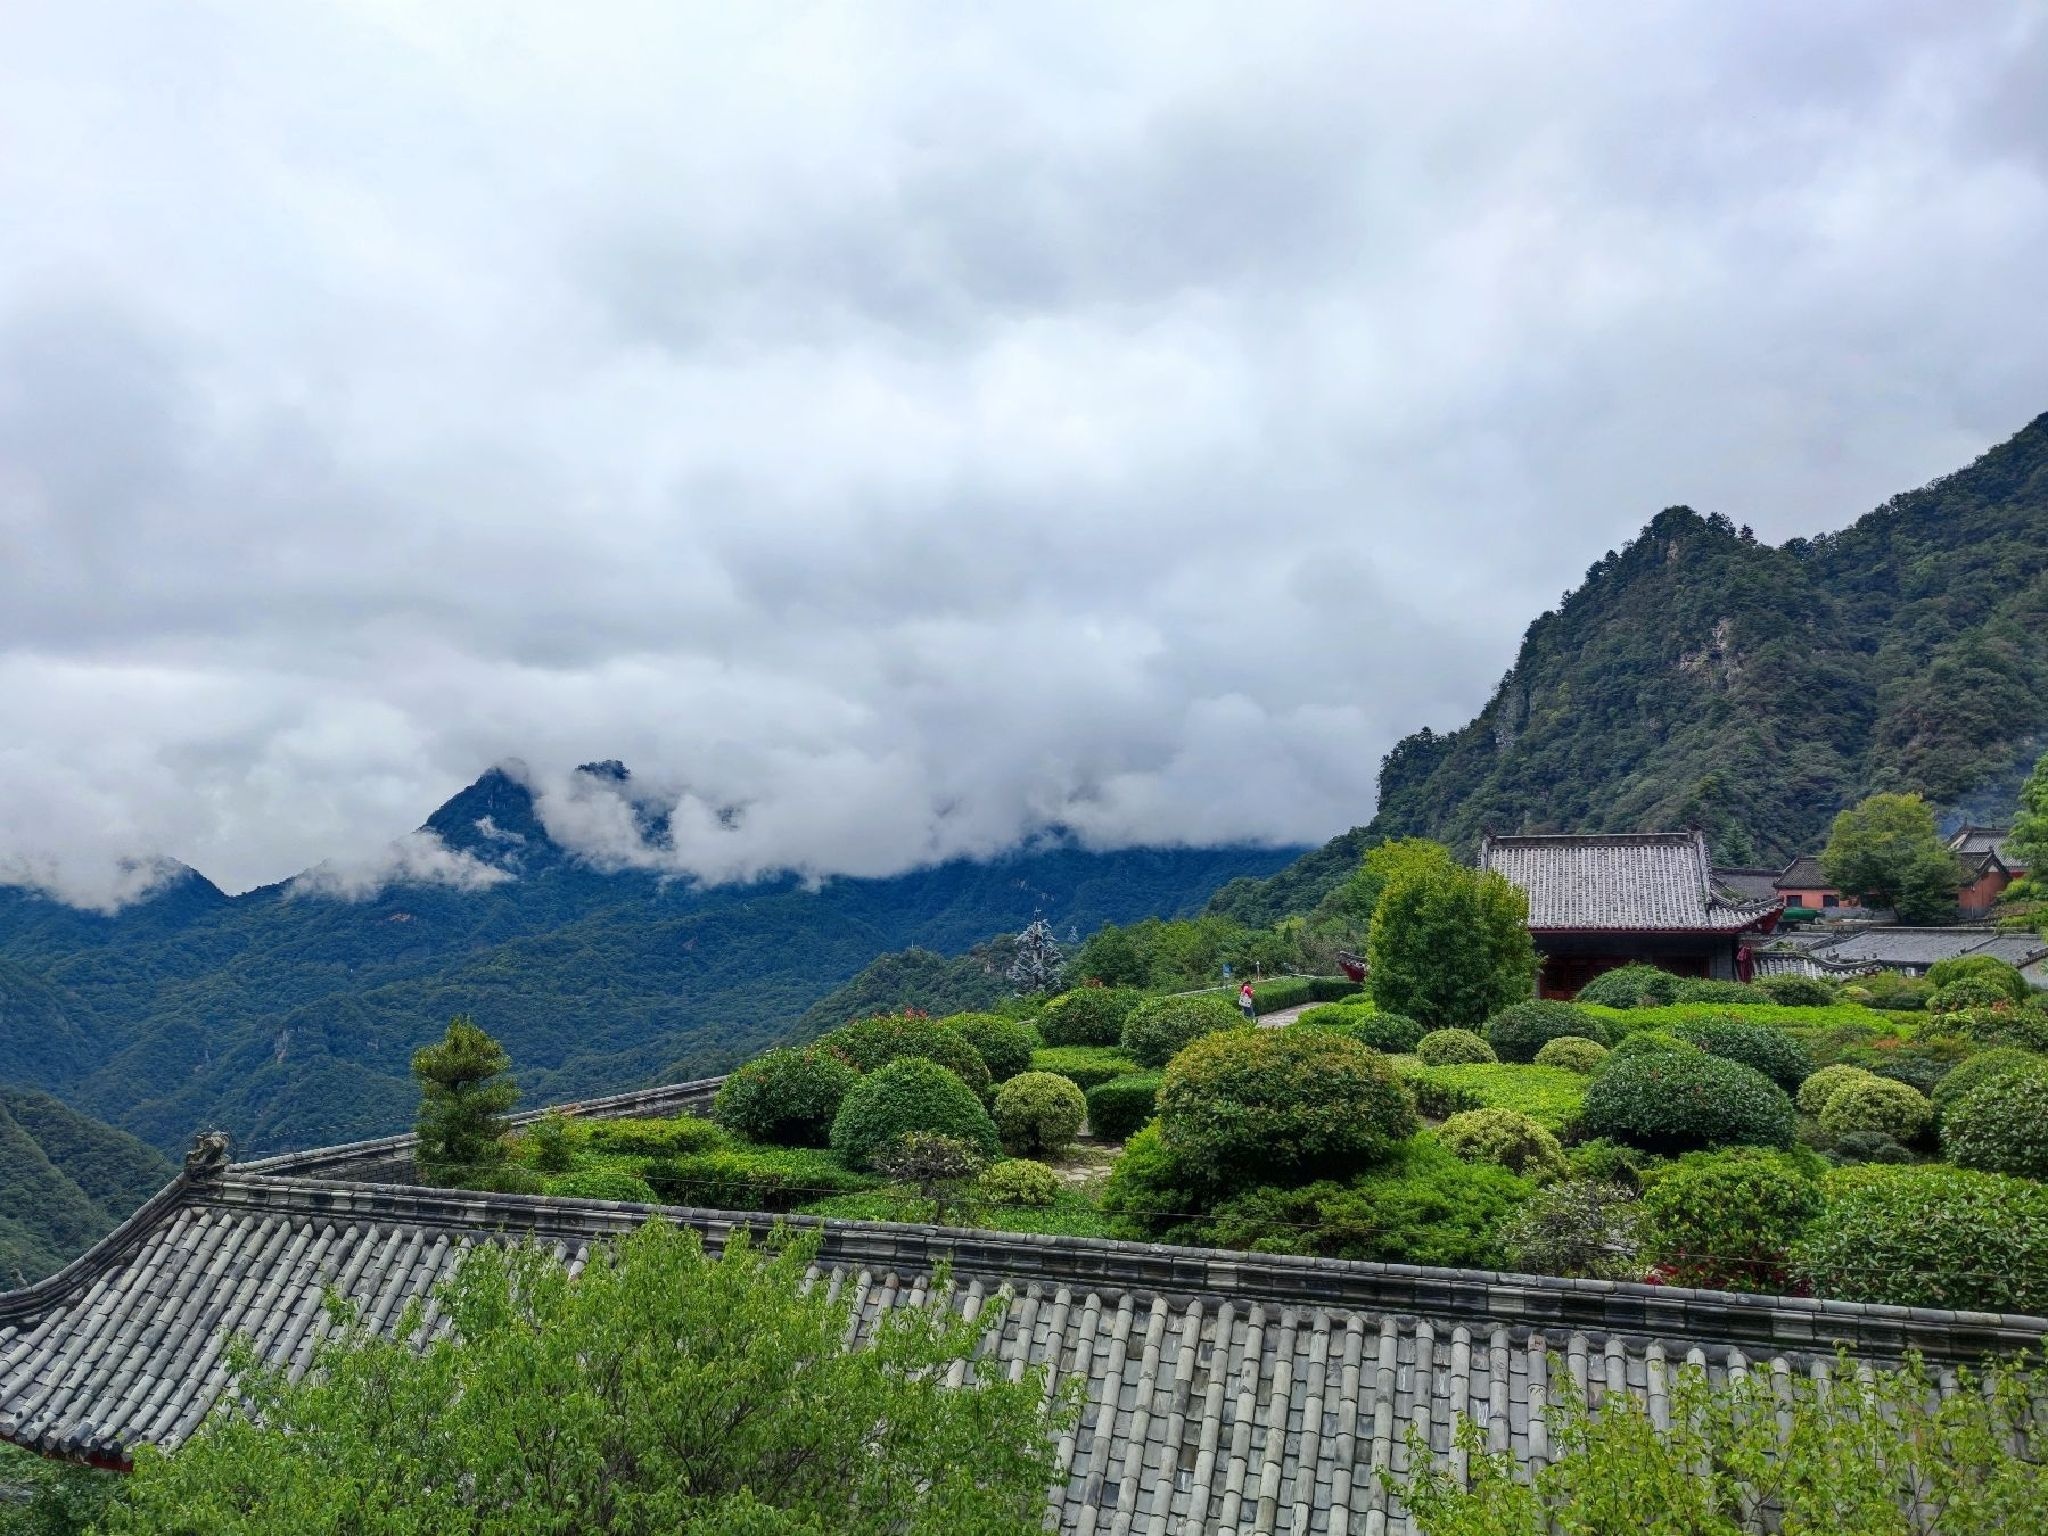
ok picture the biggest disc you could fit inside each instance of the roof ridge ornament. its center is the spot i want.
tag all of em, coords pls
(206, 1161)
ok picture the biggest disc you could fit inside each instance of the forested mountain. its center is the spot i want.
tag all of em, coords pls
(1701, 678)
(288, 1016)
(65, 1181)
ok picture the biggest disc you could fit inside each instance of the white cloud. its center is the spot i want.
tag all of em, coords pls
(419, 858)
(916, 424)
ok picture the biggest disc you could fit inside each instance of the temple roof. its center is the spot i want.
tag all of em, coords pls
(1621, 881)
(1973, 843)
(1226, 1391)
(1804, 874)
(1886, 945)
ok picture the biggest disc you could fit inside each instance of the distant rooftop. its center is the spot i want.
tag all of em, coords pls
(1621, 881)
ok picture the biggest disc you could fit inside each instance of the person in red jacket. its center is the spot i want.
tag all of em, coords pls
(1245, 1004)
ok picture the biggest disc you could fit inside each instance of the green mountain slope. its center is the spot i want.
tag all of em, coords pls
(289, 1019)
(1700, 678)
(65, 1181)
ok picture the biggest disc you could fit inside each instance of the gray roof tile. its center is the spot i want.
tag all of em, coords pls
(1625, 881)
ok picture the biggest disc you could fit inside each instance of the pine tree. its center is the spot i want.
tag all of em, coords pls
(1039, 964)
(464, 1094)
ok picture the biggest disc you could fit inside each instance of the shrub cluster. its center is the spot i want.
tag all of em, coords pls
(789, 1096)
(1018, 1181)
(911, 1094)
(1117, 1108)
(1518, 1032)
(1248, 1106)
(1667, 1102)
(1632, 986)
(1572, 1054)
(1930, 1236)
(1986, 1067)
(2006, 978)
(1155, 1031)
(874, 1043)
(1004, 1045)
(1038, 1114)
(1550, 1096)
(1729, 1220)
(1084, 1066)
(1698, 989)
(1815, 1092)
(1394, 1033)
(1434, 1091)
(1579, 1228)
(746, 1178)
(603, 1184)
(1086, 1016)
(1878, 1104)
(1450, 1047)
(1506, 1137)
(1769, 1051)
(1791, 991)
(2001, 1025)
(668, 1137)
(2000, 1126)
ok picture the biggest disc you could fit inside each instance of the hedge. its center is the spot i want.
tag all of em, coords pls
(1930, 1236)
(1117, 1108)
(914, 1094)
(790, 1097)
(873, 1043)
(1004, 1045)
(1329, 989)
(653, 1138)
(1770, 1051)
(1673, 1103)
(1799, 1022)
(1087, 1016)
(748, 1178)
(604, 1184)
(1156, 1031)
(1550, 1096)
(1453, 1047)
(1083, 1065)
(1518, 1032)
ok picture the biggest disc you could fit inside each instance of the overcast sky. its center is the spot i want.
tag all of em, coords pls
(920, 423)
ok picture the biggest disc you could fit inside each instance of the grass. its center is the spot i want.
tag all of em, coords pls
(1550, 1096)
(1072, 1214)
(1795, 1021)
(1087, 1066)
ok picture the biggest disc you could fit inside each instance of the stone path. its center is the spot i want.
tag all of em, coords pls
(1281, 1016)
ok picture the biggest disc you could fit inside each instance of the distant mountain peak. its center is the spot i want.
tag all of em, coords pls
(491, 818)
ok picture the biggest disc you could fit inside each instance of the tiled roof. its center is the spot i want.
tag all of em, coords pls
(1227, 1392)
(1973, 841)
(1631, 881)
(1755, 885)
(1804, 874)
(1885, 945)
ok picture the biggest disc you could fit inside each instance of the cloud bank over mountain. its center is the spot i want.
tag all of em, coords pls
(893, 430)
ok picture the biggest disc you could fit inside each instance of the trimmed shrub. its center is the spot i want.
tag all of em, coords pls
(1791, 991)
(1248, 1106)
(1450, 1047)
(1085, 1066)
(789, 1097)
(1728, 1220)
(1769, 1051)
(1698, 989)
(1394, 1033)
(1631, 986)
(1517, 1033)
(604, 1184)
(1891, 991)
(1815, 1092)
(494, 1178)
(1330, 989)
(1039, 1114)
(1433, 1092)
(1930, 1236)
(1986, 1067)
(1151, 1192)
(1651, 1042)
(1505, 1137)
(1120, 1106)
(1280, 992)
(1155, 1031)
(1018, 1181)
(748, 1178)
(2006, 978)
(2000, 1127)
(1550, 1096)
(1004, 1045)
(911, 1094)
(1666, 1102)
(1328, 1016)
(1971, 992)
(1087, 1016)
(1870, 1147)
(2003, 1025)
(654, 1138)
(1877, 1104)
(874, 1043)
(1572, 1054)
(550, 1144)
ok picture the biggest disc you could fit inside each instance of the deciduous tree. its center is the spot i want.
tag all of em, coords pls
(1887, 851)
(1449, 946)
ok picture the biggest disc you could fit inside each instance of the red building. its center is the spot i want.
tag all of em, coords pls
(1598, 901)
(1988, 866)
(1801, 884)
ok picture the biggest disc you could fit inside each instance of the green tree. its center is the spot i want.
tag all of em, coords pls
(1887, 851)
(1346, 913)
(464, 1094)
(1449, 946)
(2028, 845)
(664, 1389)
(1111, 956)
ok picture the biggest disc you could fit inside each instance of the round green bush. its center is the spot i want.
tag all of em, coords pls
(1728, 1220)
(1572, 1054)
(1155, 1031)
(1507, 1137)
(1876, 1104)
(2002, 1025)
(1118, 1107)
(1039, 1113)
(2006, 978)
(789, 1097)
(1699, 989)
(1667, 1102)
(1970, 992)
(1328, 1016)
(1770, 1051)
(1791, 991)
(1632, 986)
(1004, 1045)
(873, 1043)
(1250, 1106)
(2000, 1127)
(1087, 1016)
(1650, 1042)
(604, 1184)
(1517, 1033)
(1815, 1092)
(1018, 1181)
(1930, 1236)
(1986, 1067)
(910, 1094)
(1452, 1047)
